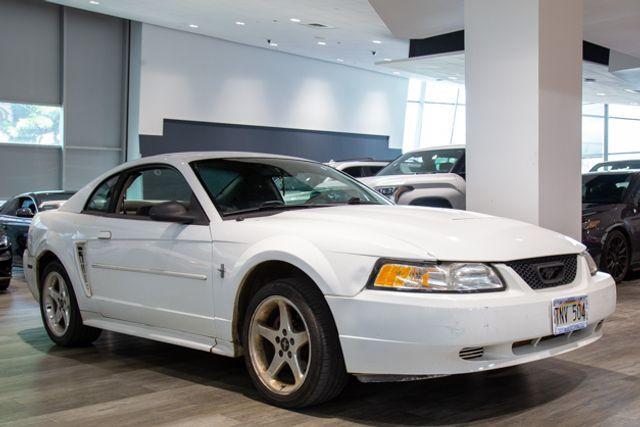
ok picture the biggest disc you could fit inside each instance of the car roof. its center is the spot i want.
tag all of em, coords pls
(359, 163)
(44, 193)
(437, 147)
(202, 155)
(176, 159)
(190, 156)
(613, 162)
(612, 172)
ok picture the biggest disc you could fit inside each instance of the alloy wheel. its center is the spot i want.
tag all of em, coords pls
(617, 257)
(279, 345)
(57, 303)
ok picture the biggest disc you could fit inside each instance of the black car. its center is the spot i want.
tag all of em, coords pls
(17, 212)
(616, 165)
(5, 261)
(611, 220)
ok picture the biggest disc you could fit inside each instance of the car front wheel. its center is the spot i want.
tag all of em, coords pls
(291, 345)
(616, 256)
(59, 309)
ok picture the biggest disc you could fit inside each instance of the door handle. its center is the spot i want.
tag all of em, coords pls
(104, 235)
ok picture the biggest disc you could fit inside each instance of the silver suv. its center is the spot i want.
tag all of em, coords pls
(432, 176)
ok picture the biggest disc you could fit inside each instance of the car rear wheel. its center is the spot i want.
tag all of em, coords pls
(291, 345)
(616, 256)
(59, 309)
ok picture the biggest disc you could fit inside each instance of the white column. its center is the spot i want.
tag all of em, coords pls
(524, 99)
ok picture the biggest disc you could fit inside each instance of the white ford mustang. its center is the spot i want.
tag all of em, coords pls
(308, 273)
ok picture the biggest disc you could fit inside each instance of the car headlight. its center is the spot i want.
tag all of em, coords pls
(4, 241)
(386, 191)
(590, 224)
(436, 278)
(593, 267)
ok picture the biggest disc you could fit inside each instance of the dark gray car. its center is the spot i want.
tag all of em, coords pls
(16, 215)
(611, 220)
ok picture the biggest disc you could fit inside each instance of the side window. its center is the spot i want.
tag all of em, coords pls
(100, 200)
(355, 171)
(375, 169)
(146, 188)
(10, 207)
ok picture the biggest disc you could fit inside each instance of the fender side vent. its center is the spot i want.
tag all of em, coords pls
(470, 353)
(80, 251)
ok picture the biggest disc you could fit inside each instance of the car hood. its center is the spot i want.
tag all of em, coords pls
(437, 179)
(414, 233)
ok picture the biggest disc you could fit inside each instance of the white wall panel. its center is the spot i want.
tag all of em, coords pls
(28, 168)
(192, 77)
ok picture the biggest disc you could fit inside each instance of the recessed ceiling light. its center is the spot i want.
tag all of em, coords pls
(193, 26)
(453, 78)
(239, 23)
(322, 43)
(387, 59)
(274, 44)
(340, 60)
(294, 20)
(396, 72)
(601, 94)
(631, 91)
(94, 2)
(376, 41)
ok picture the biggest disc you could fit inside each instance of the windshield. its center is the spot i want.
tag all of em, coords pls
(429, 161)
(239, 186)
(604, 189)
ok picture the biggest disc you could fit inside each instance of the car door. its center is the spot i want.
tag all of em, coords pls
(150, 272)
(17, 228)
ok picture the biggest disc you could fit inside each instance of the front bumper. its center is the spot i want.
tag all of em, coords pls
(593, 241)
(411, 334)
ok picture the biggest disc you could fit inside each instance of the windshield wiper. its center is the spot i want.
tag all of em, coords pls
(271, 204)
(358, 201)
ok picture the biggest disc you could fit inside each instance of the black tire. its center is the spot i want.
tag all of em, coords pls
(616, 256)
(326, 375)
(4, 284)
(76, 333)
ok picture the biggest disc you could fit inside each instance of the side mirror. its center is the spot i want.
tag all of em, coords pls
(24, 213)
(171, 212)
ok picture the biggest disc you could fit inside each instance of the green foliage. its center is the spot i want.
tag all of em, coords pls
(27, 123)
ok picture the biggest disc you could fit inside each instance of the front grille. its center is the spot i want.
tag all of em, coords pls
(529, 270)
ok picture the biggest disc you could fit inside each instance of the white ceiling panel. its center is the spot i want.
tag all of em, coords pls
(352, 25)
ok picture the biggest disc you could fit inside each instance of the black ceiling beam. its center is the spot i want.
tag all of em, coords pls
(454, 42)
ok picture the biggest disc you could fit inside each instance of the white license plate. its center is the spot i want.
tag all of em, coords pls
(569, 314)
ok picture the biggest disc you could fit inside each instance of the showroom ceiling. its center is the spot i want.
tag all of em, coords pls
(611, 23)
(599, 86)
(356, 28)
(353, 29)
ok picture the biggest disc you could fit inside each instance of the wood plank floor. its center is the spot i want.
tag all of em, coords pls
(129, 381)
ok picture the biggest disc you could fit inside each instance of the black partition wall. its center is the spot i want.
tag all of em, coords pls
(322, 146)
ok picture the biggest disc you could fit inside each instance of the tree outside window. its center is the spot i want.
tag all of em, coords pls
(30, 124)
